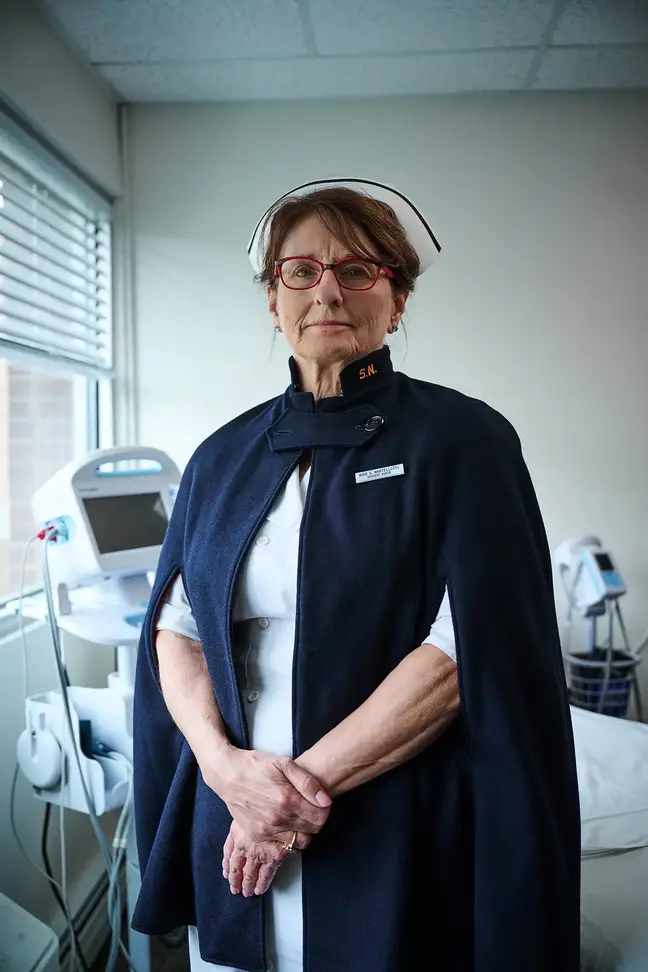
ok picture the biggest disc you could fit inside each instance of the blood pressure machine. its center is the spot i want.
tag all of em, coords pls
(601, 677)
(103, 520)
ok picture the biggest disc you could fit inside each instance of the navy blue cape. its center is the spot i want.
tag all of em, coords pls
(464, 859)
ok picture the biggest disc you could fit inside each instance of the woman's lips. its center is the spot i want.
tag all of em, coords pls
(329, 324)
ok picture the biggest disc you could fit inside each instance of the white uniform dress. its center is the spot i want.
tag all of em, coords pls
(264, 618)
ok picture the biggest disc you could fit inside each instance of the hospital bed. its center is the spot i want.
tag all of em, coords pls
(612, 760)
(614, 912)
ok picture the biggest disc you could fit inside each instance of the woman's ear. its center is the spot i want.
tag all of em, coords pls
(272, 302)
(400, 300)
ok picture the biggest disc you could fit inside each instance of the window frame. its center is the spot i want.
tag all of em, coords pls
(49, 164)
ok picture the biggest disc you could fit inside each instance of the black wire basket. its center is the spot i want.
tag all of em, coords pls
(602, 680)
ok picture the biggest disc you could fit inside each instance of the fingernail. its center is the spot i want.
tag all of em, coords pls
(323, 799)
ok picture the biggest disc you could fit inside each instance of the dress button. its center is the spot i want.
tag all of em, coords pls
(264, 623)
(253, 696)
(374, 423)
(262, 541)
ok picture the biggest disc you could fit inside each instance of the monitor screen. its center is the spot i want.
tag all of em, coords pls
(604, 562)
(126, 522)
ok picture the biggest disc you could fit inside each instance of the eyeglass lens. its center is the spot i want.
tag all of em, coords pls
(300, 274)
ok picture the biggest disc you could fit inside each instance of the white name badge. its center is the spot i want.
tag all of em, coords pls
(368, 475)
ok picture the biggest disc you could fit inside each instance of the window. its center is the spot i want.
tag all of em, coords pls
(46, 419)
(55, 332)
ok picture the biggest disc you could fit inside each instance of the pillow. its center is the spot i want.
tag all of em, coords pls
(612, 762)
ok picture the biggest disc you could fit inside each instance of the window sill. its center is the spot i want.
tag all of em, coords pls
(10, 623)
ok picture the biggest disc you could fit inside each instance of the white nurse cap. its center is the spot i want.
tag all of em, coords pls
(417, 230)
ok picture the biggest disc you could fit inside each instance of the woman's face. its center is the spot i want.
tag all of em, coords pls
(329, 324)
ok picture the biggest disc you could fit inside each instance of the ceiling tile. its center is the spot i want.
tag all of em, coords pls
(387, 26)
(321, 77)
(599, 22)
(614, 67)
(155, 30)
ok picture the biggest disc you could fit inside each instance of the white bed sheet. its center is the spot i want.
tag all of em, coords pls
(612, 760)
(614, 912)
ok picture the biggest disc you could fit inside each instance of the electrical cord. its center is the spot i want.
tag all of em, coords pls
(14, 829)
(21, 618)
(54, 886)
(58, 889)
(120, 843)
(73, 958)
(113, 862)
(111, 865)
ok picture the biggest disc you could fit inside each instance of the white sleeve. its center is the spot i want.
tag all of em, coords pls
(176, 614)
(442, 631)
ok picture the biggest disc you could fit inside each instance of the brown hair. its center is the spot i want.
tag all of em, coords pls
(351, 217)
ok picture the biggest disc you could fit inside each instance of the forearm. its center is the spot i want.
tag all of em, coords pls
(268, 796)
(406, 713)
(189, 696)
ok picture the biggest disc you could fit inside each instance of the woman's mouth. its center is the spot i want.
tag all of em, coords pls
(329, 325)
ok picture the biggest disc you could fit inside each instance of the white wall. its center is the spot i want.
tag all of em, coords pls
(50, 88)
(538, 304)
(48, 84)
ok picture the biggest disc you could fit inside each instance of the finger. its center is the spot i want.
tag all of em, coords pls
(310, 788)
(292, 811)
(265, 878)
(237, 863)
(227, 853)
(302, 840)
(283, 808)
(282, 825)
(250, 876)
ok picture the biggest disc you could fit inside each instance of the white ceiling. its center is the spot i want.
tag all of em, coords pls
(233, 50)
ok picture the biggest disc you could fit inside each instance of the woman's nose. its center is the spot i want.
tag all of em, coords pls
(328, 290)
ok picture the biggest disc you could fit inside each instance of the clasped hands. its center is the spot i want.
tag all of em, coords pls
(270, 798)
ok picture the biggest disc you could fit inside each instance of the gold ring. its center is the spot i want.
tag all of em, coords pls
(291, 846)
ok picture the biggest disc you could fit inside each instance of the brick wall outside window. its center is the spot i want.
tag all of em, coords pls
(37, 437)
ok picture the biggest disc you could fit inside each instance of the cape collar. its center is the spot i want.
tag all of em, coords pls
(347, 420)
(359, 381)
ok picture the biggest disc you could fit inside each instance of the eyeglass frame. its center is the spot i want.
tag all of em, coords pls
(331, 266)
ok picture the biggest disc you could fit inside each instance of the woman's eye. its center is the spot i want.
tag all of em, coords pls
(357, 270)
(301, 271)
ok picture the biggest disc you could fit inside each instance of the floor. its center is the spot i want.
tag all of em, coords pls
(163, 958)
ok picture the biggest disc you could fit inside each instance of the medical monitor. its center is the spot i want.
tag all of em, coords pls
(112, 509)
(126, 522)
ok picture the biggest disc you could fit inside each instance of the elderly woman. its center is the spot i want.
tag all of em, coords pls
(352, 740)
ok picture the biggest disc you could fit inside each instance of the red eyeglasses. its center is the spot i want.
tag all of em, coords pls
(352, 273)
